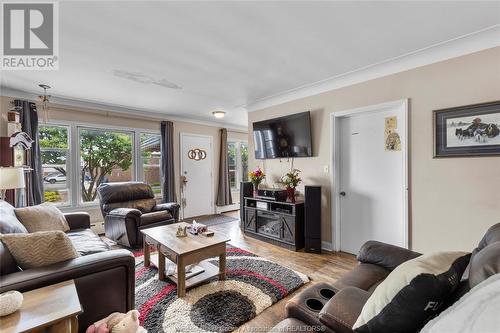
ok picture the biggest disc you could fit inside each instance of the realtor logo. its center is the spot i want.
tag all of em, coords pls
(29, 36)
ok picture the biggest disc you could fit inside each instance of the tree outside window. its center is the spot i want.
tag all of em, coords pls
(231, 160)
(105, 156)
(237, 155)
(244, 161)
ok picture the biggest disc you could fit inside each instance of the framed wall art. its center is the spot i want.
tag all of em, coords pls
(472, 130)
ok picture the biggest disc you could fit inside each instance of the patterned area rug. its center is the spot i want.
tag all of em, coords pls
(210, 220)
(252, 285)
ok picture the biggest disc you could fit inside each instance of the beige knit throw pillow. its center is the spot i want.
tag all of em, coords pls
(39, 248)
(44, 217)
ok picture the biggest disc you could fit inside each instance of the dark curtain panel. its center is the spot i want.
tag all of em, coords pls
(29, 124)
(224, 189)
(167, 161)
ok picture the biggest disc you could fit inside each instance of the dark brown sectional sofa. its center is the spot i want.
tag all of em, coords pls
(376, 260)
(104, 278)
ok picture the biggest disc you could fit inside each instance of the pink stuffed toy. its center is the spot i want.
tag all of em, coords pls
(103, 328)
(118, 323)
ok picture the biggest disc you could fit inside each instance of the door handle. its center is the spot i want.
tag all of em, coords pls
(342, 193)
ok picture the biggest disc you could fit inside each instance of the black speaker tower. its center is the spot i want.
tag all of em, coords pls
(312, 223)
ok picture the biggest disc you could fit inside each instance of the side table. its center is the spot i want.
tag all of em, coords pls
(50, 309)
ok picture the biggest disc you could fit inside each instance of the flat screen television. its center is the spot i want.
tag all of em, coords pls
(283, 137)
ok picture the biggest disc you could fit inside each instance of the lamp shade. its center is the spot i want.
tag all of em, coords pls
(11, 178)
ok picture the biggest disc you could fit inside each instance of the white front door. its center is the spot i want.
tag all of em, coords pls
(372, 185)
(196, 167)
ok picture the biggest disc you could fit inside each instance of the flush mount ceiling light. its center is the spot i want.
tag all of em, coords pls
(219, 114)
(145, 79)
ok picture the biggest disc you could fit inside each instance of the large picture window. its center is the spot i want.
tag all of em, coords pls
(54, 148)
(150, 158)
(77, 158)
(105, 156)
(238, 163)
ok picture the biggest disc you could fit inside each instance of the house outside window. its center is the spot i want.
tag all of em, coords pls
(150, 161)
(238, 163)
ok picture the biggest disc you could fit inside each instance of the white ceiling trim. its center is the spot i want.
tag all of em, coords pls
(470, 43)
(89, 106)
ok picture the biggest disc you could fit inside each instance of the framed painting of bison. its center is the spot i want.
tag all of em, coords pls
(472, 130)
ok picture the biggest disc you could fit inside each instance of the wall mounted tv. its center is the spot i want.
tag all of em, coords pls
(283, 137)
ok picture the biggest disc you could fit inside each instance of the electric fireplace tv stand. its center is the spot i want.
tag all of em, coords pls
(275, 222)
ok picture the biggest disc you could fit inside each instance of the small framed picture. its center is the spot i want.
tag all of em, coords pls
(472, 130)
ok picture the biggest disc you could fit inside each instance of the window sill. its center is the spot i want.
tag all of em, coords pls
(69, 209)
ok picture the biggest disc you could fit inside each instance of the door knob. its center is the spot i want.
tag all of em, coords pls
(342, 193)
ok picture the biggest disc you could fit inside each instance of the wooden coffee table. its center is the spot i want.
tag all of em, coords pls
(184, 251)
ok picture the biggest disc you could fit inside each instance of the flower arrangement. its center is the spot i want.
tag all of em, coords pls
(291, 180)
(256, 177)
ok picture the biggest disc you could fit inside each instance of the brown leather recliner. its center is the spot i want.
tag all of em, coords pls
(131, 206)
(104, 278)
(376, 261)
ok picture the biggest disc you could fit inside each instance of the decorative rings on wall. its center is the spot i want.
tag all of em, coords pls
(197, 154)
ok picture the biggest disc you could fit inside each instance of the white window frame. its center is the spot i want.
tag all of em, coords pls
(69, 169)
(74, 156)
(239, 166)
(140, 166)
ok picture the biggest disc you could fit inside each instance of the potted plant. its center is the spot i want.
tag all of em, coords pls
(256, 177)
(291, 180)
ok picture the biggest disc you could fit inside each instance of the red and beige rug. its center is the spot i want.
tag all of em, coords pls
(252, 285)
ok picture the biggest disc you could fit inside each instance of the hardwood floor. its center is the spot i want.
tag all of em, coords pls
(326, 267)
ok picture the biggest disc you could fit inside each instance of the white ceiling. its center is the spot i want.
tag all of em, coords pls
(227, 55)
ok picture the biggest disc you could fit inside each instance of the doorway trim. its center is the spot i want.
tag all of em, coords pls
(181, 144)
(334, 164)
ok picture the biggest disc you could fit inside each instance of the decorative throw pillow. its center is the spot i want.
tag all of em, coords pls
(412, 293)
(44, 217)
(39, 248)
(476, 311)
(484, 263)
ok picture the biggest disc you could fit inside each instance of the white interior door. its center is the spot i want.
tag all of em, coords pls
(372, 184)
(196, 167)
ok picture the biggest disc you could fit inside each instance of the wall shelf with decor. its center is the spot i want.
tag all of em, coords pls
(275, 222)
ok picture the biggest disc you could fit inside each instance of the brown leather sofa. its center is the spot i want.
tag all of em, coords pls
(376, 260)
(104, 278)
(131, 206)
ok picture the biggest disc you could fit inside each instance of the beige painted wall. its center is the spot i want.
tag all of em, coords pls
(453, 200)
(80, 115)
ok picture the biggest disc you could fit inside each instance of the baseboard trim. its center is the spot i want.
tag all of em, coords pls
(327, 246)
(228, 208)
